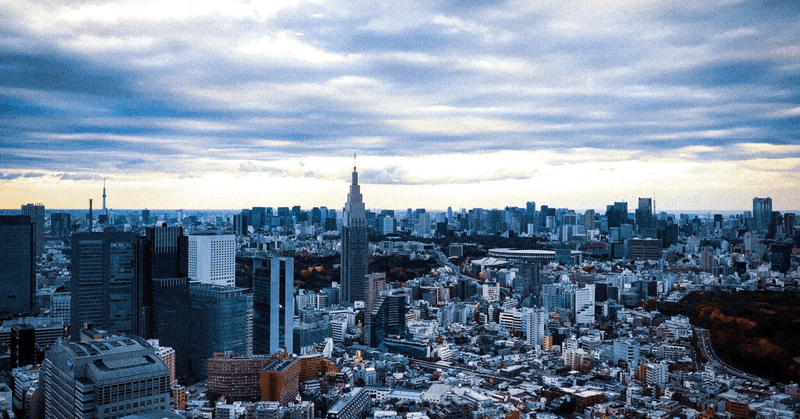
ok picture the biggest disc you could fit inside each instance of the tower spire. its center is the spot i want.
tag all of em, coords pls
(354, 162)
(104, 197)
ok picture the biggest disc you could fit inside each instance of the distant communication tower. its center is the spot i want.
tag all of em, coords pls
(105, 210)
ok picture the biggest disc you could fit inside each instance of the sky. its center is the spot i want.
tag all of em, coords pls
(578, 104)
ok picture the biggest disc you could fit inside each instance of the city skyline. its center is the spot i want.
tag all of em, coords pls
(574, 104)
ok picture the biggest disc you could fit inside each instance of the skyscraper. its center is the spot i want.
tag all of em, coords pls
(17, 275)
(212, 259)
(354, 244)
(36, 212)
(387, 316)
(60, 225)
(644, 214)
(218, 323)
(762, 214)
(533, 324)
(162, 258)
(273, 304)
(105, 290)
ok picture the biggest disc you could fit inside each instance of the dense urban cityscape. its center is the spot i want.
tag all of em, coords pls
(522, 312)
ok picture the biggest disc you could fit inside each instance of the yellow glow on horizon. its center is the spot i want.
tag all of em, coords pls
(578, 178)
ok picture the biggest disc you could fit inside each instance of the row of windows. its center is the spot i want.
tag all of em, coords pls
(131, 390)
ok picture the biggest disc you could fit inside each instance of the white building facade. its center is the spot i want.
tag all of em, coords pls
(212, 259)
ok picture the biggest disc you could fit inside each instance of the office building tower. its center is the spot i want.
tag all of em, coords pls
(644, 249)
(61, 304)
(387, 317)
(212, 259)
(533, 325)
(145, 216)
(588, 220)
(240, 224)
(627, 351)
(36, 213)
(354, 244)
(617, 214)
(23, 345)
(218, 323)
(273, 304)
(788, 221)
(91, 218)
(375, 284)
(60, 225)
(762, 215)
(162, 267)
(18, 273)
(105, 291)
(644, 214)
(107, 378)
(584, 305)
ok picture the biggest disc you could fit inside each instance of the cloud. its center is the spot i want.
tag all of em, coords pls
(10, 176)
(79, 176)
(133, 88)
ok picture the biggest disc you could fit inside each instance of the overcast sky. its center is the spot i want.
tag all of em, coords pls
(211, 104)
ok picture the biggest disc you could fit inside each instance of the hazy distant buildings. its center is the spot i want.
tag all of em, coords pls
(17, 265)
(273, 304)
(36, 212)
(104, 290)
(354, 244)
(107, 378)
(212, 259)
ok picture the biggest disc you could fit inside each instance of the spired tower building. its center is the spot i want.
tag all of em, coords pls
(354, 244)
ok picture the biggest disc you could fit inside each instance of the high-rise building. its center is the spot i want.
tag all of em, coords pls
(105, 290)
(354, 244)
(533, 325)
(162, 257)
(103, 379)
(145, 216)
(273, 304)
(584, 305)
(588, 220)
(644, 214)
(18, 274)
(60, 225)
(22, 345)
(218, 323)
(212, 259)
(627, 350)
(36, 212)
(762, 214)
(387, 317)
